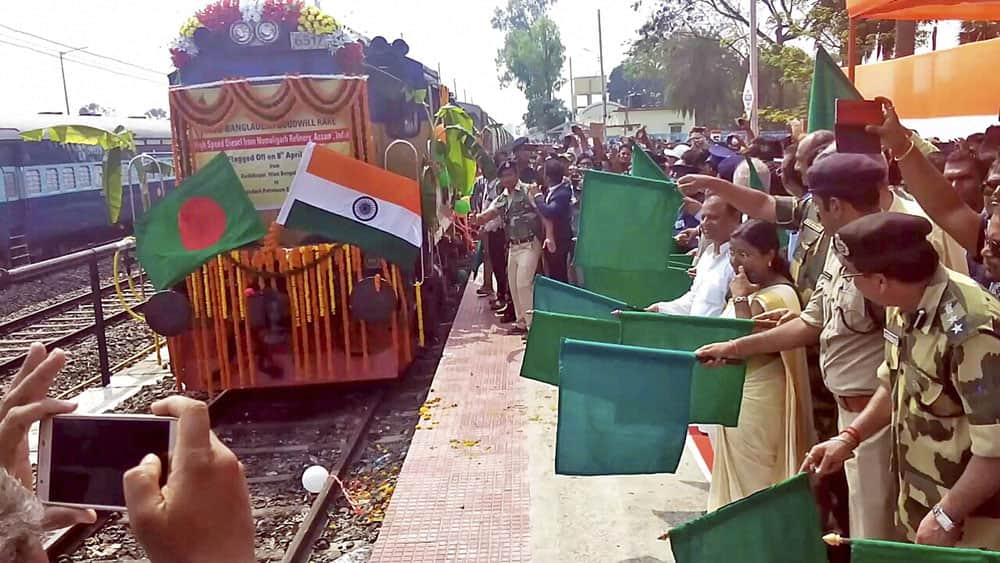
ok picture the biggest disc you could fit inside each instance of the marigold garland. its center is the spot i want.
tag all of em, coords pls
(290, 15)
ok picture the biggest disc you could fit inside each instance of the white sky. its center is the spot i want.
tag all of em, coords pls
(457, 35)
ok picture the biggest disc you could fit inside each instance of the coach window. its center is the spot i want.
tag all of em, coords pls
(51, 180)
(32, 182)
(68, 179)
(83, 175)
(9, 186)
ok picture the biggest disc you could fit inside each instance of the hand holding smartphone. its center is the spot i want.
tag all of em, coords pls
(853, 116)
(83, 458)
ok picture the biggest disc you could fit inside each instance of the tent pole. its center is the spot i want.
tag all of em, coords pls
(852, 47)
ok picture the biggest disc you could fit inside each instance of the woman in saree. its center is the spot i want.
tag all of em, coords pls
(775, 425)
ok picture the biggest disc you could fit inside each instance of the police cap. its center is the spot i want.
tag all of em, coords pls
(888, 243)
(518, 144)
(506, 165)
(843, 175)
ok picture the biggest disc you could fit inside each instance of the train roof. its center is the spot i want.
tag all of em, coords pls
(143, 128)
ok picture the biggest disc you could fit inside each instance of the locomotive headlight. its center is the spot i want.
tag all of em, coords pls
(267, 32)
(241, 33)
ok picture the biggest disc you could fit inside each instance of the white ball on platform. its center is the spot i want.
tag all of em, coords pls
(313, 478)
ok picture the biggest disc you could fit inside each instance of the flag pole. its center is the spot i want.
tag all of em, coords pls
(754, 119)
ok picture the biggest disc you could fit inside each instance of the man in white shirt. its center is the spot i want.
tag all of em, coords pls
(707, 296)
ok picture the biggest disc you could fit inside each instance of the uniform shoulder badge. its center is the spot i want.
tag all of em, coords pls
(955, 320)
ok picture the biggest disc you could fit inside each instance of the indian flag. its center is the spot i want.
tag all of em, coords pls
(350, 201)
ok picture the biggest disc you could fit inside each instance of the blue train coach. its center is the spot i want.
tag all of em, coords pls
(51, 199)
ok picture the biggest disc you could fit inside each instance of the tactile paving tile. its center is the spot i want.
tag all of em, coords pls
(466, 501)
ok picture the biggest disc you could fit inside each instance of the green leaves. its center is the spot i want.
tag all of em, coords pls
(115, 144)
(111, 181)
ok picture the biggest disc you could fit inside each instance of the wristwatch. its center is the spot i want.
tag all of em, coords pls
(741, 299)
(942, 518)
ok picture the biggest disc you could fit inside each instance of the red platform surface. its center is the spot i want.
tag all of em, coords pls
(463, 491)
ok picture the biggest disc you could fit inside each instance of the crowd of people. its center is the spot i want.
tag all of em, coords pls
(872, 280)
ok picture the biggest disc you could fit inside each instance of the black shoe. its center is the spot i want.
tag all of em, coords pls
(483, 292)
(508, 318)
(517, 331)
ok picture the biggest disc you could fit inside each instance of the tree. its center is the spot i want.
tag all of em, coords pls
(978, 31)
(94, 108)
(519, 14)
(532, 57)
(157, 113)
(634, 92)
(710, 91)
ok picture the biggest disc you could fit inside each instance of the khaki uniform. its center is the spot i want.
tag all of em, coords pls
(942, 364)
(523, 226)
(808, 261)
(851, 350)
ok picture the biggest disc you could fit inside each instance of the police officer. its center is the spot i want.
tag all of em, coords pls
(523, 226)
(848, 329)
(940, 384)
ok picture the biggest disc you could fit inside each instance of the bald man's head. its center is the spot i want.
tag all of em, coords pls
(810, 147)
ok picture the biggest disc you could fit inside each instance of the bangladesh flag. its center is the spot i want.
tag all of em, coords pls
(777, 524)
(829, 85)
(208, 214)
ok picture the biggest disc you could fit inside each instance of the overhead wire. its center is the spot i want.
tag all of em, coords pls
(82, 63)
(91, 53)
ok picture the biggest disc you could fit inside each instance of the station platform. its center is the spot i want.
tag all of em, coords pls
(478, 483)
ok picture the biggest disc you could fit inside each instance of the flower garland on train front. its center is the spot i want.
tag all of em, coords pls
(289, 15)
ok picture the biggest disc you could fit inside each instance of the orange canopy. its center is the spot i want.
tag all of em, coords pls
(924, 9)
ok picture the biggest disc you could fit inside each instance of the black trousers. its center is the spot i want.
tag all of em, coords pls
(496, 244)
(556, 263)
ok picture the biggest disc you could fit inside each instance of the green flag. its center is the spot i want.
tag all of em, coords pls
(626, 223)
(644, 166)
(622, 409)
(541, 356)
(874, 551)
(715, 392)
(780, 523)
(829, 84)
(208, 214)
(554, 296)
(638, 286)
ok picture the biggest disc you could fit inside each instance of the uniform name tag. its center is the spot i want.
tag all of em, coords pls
(891, 337)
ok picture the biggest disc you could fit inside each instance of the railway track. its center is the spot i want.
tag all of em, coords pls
(63, 322)
(276, 437)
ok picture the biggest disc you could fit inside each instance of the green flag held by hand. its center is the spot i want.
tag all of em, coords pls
(716, 393)
(541, 356)
(554, 296)
(829, 85)
(208, 214)
(626, 223)
(644, 166)
(622, 409)
(873, 551)
(780, 523)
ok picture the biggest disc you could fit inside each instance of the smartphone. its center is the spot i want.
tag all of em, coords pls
(849, 126)
(82, 458)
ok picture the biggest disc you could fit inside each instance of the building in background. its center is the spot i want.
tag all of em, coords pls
(660, 122)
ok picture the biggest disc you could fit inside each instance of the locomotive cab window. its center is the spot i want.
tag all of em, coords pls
(9, 186)
(68, 179)
(32, 182)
